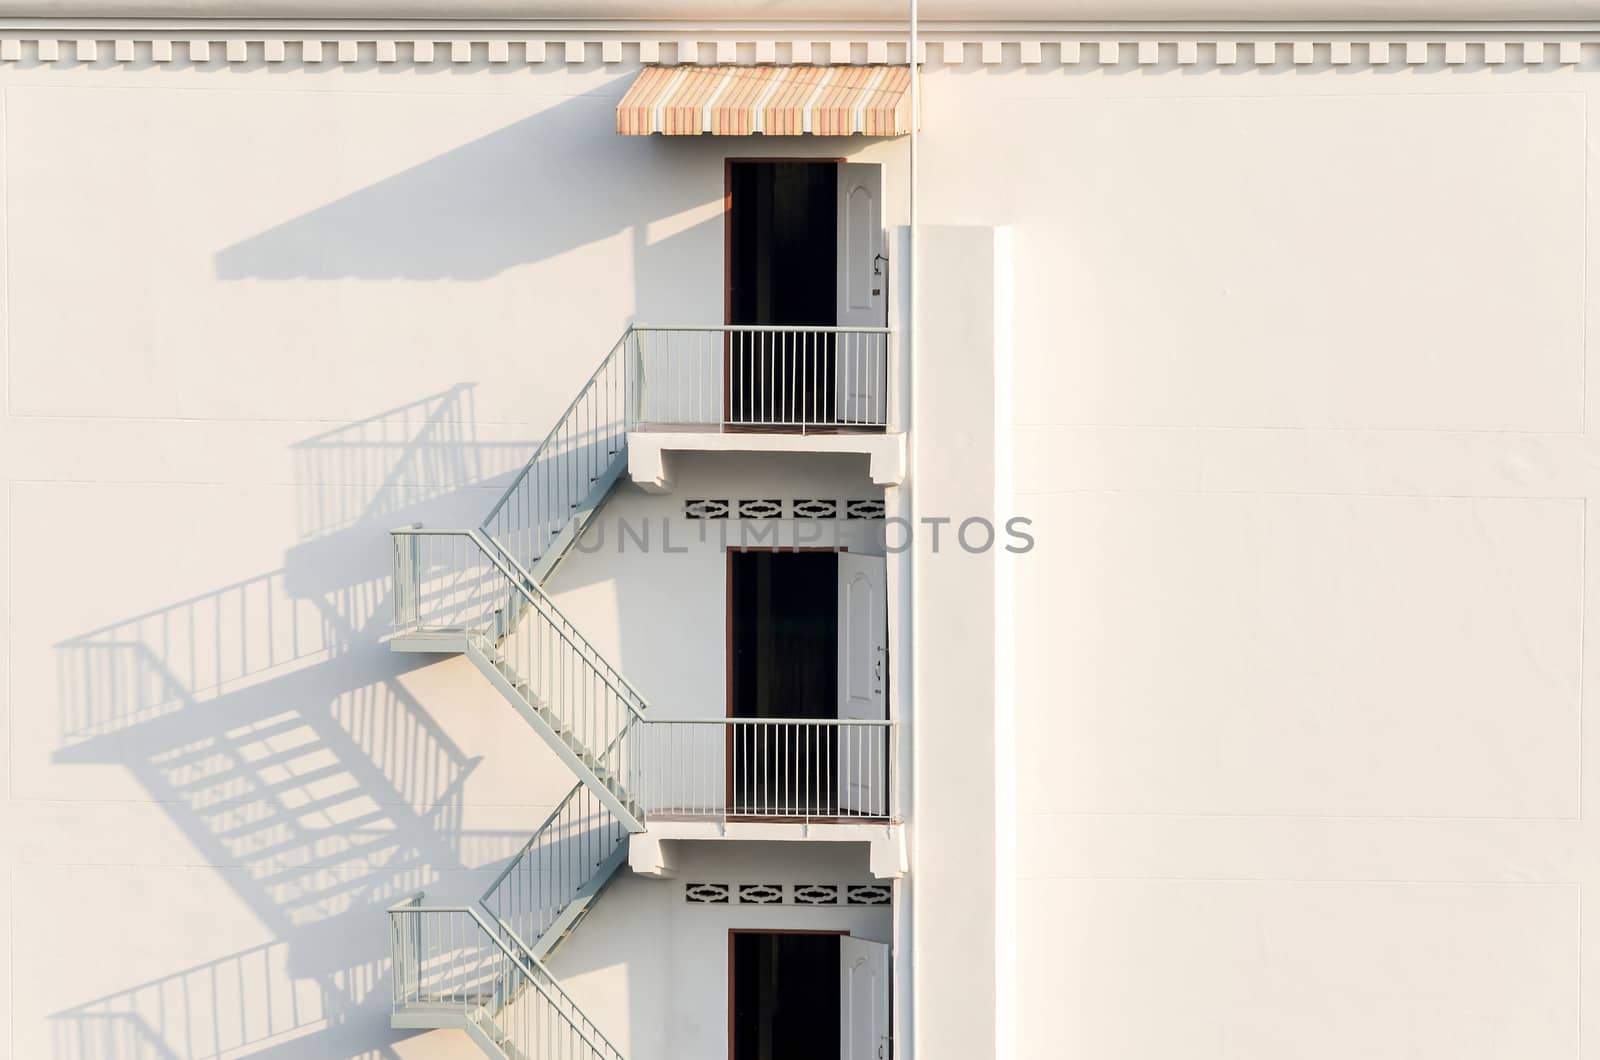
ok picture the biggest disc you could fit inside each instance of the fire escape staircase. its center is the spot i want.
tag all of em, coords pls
(479, 593)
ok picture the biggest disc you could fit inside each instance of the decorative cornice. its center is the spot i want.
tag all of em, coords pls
(103, 47)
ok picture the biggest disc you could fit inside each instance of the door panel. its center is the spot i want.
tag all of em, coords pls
(861, 361)
(863, 999)
(862, 751)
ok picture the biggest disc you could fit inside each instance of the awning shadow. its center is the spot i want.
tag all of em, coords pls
(514, 196)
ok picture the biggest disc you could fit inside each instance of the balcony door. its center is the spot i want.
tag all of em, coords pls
(782, 656)
(804, 250)
(862, 634)
(862, 295)
(864, 1032)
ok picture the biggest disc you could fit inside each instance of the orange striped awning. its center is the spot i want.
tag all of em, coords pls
(772, 100)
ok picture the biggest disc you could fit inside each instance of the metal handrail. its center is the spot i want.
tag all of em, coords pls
(530, 967)
(548, 821)
(873, 723)
(760, 376)
(550, 983)
(823, 329)
(529, 581)
(567, 471)
(554, 865)
(777, 768)
(555, 431)
(522, 582)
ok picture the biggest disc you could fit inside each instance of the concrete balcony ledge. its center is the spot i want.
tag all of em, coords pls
(649, 466)
(651, 852)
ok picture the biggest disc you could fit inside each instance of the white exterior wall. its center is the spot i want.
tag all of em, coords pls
(254, 319)
(1301, 417)
(656, 967)
(659, 609)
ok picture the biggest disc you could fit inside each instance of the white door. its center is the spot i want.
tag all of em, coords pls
(862, 751)
(861, 362)
(863, 999)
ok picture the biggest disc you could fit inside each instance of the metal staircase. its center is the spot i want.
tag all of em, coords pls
(478, 593)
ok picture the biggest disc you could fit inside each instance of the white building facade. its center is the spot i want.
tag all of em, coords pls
(574, 531)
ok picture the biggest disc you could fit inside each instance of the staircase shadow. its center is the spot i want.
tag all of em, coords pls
(272, 725)
(266, 716)
(376, 470)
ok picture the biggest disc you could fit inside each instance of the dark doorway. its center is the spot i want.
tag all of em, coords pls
(783, 663)
(784, 634)
(785, 996)
(782, 250)
(782, 242)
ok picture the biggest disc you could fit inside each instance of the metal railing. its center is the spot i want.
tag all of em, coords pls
(783, 769)
(451, 957)
(457, 581)
(577, 453)
(736, 375)
(758, 376)
(476, 584)
(555, 865)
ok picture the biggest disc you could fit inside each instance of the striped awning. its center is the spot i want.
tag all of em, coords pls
(772, 100)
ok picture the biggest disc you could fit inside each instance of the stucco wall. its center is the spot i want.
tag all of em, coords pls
(656, 967)
(648, 585)
(254, 319)
(1301, 417)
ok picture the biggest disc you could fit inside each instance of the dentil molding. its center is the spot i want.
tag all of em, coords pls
(101, 48)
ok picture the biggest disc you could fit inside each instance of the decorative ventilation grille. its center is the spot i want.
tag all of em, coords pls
(787, 894)
(705, 509)
(760, 509)
(815, 509)
(816, 894)
(863, 509)
(706, 893)
(866, 894)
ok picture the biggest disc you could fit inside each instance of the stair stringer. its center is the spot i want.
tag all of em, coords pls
(576, 910)
(544, 568)
(474, 648)
(546, 565)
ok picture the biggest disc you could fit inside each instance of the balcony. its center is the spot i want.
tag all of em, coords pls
(817, 771)
(766, 780)
(758, 388)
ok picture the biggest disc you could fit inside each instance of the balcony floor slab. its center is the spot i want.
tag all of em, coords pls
(648, 857)
(648, 450)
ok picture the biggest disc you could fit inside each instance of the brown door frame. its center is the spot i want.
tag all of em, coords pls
(761, 931)
(727, 651)
(727, 258)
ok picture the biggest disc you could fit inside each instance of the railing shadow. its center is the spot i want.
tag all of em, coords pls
(377, 468)
(241, 1002)
(270, 722)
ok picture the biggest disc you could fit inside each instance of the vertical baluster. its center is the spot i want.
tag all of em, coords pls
(814, 768)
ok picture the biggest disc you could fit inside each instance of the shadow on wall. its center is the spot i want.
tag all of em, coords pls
(266, 716)
(518, 195)
(268, 720)
(383, 466)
